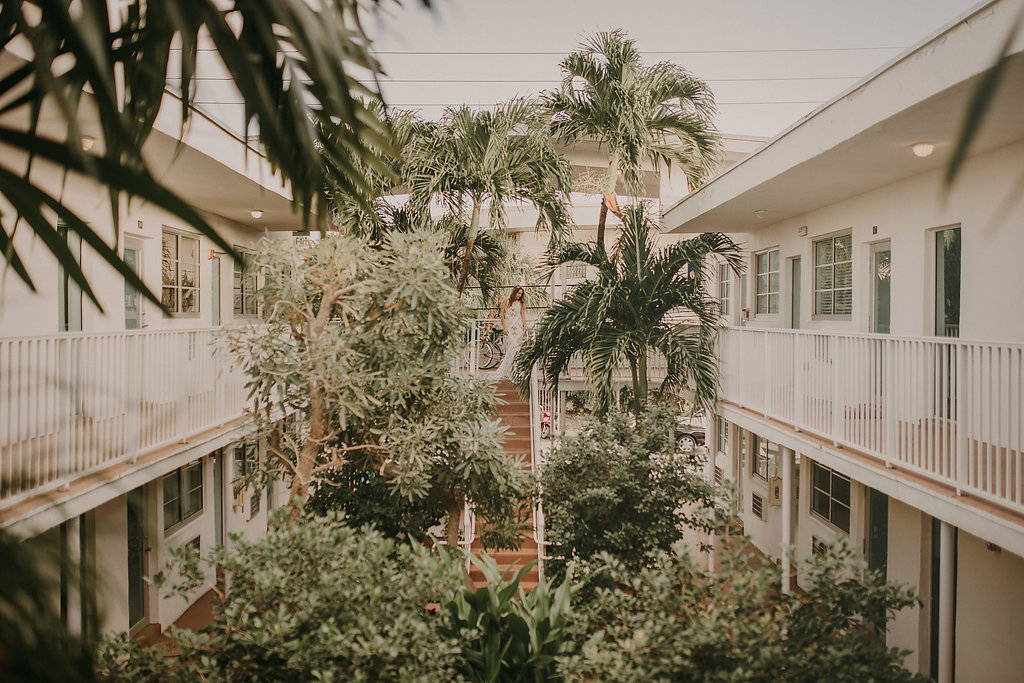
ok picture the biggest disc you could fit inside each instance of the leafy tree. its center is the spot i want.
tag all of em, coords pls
(659, 114)
(622, 490)
(472, 158)
(631, 308)
(359, 345)
(291, 62)
(673, 621)
(312, 600)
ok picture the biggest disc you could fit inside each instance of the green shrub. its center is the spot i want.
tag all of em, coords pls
(621, 490)
(313, 600)
(672, 621)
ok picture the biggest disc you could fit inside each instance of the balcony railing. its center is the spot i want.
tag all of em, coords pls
(72, 403)
(948, 409)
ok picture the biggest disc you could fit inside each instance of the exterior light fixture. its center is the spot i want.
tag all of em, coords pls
(802, 231)
(922, 149)
(256, 213)
(87, 142)
(760, 213)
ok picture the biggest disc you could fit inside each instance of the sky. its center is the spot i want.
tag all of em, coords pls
(768, 62)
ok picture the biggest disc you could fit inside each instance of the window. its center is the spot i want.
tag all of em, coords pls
(768, 282)
(246, 461)
(830, 496)
(724, 288)
(947, 283)
(183, 494)
(245, 286)
(723, 435)
(180, 273)
(765, 456)
(833, 275)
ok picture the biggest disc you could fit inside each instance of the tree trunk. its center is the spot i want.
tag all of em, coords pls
(474, 227)
(454, 521)
(601, 220)
(306, 461)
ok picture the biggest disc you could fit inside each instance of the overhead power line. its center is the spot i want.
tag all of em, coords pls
(495, 104)
(556, 81)
(516, 53)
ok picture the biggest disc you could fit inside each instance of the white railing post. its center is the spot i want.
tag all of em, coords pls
(962, 375)
(837, 390)
(890, 424)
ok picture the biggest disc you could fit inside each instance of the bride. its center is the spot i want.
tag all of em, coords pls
(512, 312)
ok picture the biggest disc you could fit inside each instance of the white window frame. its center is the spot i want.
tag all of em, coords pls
(177, 285)
(244, 283)
(724, 288)
(763, 289)
(820, 269)
(179, 478)
(829, 517)
(764, 456)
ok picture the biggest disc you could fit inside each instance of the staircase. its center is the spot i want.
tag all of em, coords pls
(515, 415)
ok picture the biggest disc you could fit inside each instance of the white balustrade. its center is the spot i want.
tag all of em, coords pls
(72, 403)
(949, 409)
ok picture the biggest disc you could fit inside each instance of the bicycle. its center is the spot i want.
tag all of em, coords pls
(492, 350)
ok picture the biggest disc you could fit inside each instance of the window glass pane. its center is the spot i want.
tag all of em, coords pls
(823, 252)
(193, 503)
(193, 476)
(188, 301)
(172, 513)
(170, 246)
(762, 263)
(823, 303)
(762, 303)
(821, 477)
(820, 503)
(843, 302)
(773, 282)
(171, 488)
(841, 489)
(844, 275)
(841, 517)
(169, 299)
(844, 247)
(773, 303)
(823, 278)
(773, 260)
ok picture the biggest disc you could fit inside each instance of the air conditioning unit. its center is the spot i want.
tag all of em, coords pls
(775, 491)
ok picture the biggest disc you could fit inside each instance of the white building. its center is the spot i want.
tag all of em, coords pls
(873, 363)
(120, 430)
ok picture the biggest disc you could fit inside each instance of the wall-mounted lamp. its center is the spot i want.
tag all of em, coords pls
(87, 142)
(802, 231)
(922, 149)
(256, 213)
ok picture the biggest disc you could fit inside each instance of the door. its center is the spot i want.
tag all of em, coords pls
(947, 283)
(878, 545)
(794, 306)
(136, 557)
(881, 270)
(215, 286)
(132, 296)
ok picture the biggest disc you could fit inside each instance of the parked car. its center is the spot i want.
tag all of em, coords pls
(690, 431)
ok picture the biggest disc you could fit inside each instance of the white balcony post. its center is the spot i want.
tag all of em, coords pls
(945, 597)
(787, 515)
(799, 368)
(961, 372)
(889, 422)
(837, 391)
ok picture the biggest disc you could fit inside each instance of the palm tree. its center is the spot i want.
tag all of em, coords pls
(291, 61)
(660, 114)
(629, 309)
(472, 158)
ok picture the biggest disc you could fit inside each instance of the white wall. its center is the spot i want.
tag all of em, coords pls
(989, 613)
(907, 213)
(908, 564)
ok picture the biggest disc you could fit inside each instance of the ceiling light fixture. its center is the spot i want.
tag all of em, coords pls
(256, 213)
(761, 213)
(922, 149)
(87, 142)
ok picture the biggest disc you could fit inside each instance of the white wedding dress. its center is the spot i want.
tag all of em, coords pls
(514, 332)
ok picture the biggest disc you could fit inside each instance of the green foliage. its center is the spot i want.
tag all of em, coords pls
(291, 62)
(621, 490)
(672, 621)
(314, 600)
(369, 499)
(35, 644)
(631, 309)
(506, 633)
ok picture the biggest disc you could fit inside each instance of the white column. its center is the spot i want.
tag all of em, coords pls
(787, 514)
(711, 445)
(945, 597)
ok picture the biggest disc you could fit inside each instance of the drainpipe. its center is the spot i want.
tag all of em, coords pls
(945, 596)
(787, 515)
